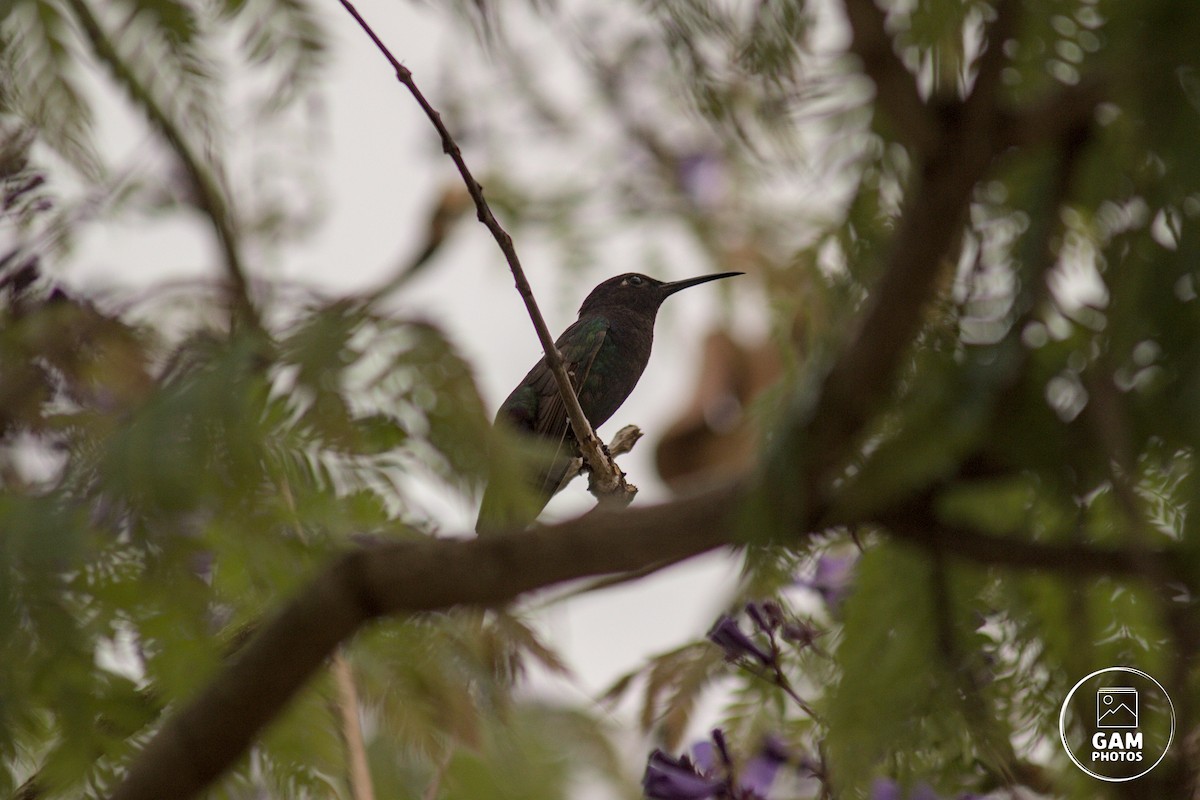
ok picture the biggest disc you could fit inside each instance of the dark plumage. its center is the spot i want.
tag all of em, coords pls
(605, 351)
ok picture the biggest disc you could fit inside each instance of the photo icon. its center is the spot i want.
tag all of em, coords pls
(1117, 707)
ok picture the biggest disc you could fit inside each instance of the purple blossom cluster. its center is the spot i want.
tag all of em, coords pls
(711, 772)
(761, 649)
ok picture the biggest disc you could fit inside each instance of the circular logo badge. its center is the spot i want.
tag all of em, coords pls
(1117, 724)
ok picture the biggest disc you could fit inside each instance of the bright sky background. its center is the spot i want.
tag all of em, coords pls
(382, 174)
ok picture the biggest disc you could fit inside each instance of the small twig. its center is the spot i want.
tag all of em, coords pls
(358, 773)
(780, 680)
(622, 442)
(608, 478)
(435, 784)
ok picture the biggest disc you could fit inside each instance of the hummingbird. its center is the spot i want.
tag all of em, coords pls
(605, 352)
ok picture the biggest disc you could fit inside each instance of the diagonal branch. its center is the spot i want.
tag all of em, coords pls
(608, 479)
(864, 373)
(968, 137)
(211, 731)
(1057, 117)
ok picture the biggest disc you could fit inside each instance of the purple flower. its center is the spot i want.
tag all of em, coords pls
(718, 737)
(704, 756)
(709, 771)
(668, 778)
(884, 789)
(802, 635)
(736, 644)
(832, 578)
(703, 175)
(774, 613)
(757, 613)
(775, 749)
(758, 774)
(767, 616)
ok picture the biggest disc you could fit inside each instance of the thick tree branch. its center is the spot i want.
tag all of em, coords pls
(968, 139)
(917, 525)
(608, 480)
(206, 736)
(863, 375)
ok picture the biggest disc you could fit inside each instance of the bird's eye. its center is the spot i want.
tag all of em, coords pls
(635, 280)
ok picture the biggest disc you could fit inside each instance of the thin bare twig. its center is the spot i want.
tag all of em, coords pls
(357, 770)
(622, 443)
(608, 480)
(439, 774)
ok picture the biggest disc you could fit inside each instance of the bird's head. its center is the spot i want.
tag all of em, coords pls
(641, 292)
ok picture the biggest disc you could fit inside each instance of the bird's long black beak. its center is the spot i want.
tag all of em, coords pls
(668, 289)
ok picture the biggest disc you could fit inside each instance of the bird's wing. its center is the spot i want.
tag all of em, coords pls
(536, 407)
(579, 345)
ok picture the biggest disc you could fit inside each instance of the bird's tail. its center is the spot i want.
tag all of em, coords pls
(503, 509)
(514, 498)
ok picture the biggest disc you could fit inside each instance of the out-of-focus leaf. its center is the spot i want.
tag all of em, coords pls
(897, 696)
(42, 84)
(537, 751)
(998, 506)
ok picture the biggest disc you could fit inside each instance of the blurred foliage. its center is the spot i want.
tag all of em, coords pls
(164, 481)
(1052, 398)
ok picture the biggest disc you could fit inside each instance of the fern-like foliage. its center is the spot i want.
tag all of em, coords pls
(40, 80)
(284, 37)
(201, 483)
(163, 55)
